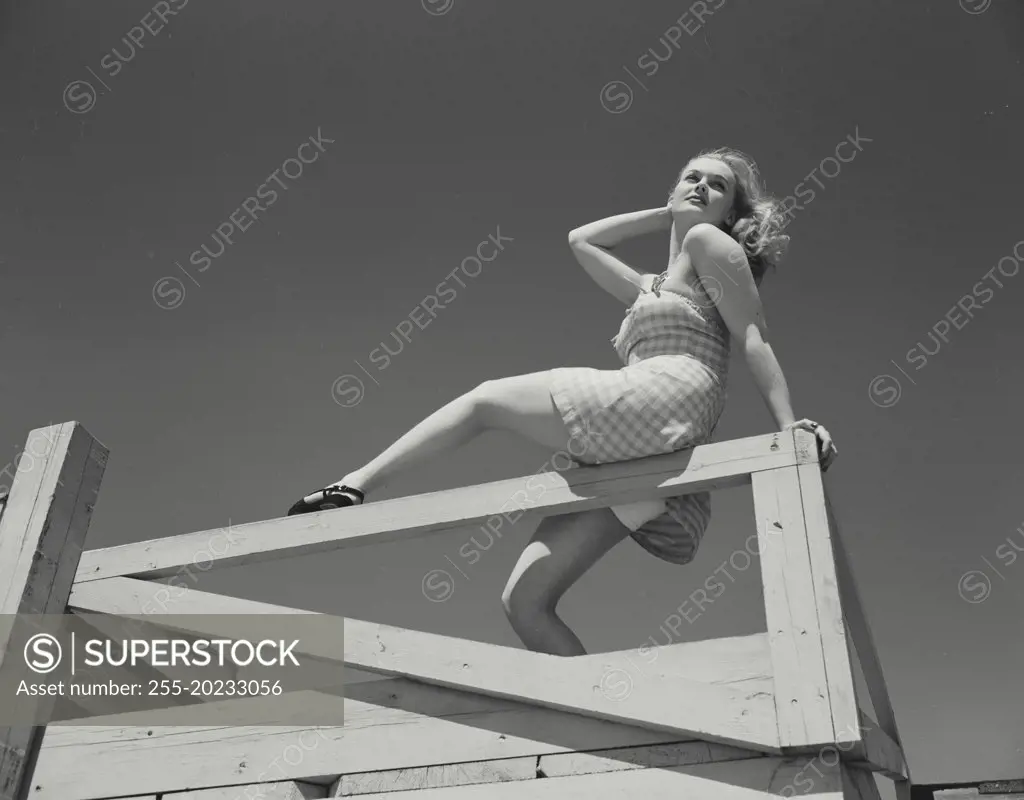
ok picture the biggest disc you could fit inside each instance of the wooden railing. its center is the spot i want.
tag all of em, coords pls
(805, 704)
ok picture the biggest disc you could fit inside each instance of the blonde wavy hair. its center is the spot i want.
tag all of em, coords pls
(760, 222)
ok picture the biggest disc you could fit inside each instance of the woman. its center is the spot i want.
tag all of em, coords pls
(675, 344)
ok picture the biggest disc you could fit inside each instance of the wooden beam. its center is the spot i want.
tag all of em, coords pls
(798, 661)
(101, 626)
(42, 534)
(278, 790)
(842, 696)
(878, 752)
(753, 779)
(675, 754)
(712, 466)
(729, 661)
(91, 763)
(556, 765)
(436, 776)
(390, 725)
(741, 715)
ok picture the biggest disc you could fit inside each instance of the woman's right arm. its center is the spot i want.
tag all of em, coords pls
(591, 245)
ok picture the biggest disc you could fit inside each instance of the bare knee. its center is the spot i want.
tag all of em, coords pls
(488, 404)
(523, 405)
(478, 406)
(497, 405)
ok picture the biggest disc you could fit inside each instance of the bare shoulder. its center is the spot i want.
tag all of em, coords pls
(710, 247)
(704, 235)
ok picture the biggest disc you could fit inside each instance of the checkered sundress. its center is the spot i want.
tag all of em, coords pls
(667, 397)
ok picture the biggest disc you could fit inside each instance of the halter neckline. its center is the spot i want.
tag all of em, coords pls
(656, 289)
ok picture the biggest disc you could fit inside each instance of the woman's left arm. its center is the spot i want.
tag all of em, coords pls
(713, 252)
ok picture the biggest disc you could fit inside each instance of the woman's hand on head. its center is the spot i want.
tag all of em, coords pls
(666, 216)
(827, 451)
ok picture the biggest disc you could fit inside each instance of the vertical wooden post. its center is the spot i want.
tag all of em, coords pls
(838, 658)
(794, 634)
(42, 534)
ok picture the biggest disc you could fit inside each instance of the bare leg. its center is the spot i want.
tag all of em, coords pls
(561, 550)
(521, 404)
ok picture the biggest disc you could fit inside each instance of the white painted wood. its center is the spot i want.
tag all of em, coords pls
(414, 711)
(446, 775)
(798, 661)
(42, 534)
(734, 660)
(740, 661)
(47, 512)
(838, 660)
(754, 779)
(549, 766)
(712, 466)
(742, 716)
(675, 754)
(517, 750)
(279, 790)
(389, 725)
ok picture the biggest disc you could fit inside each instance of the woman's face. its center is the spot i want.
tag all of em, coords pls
(705, 193)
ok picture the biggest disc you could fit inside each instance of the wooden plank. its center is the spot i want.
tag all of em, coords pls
(557, 765)
(842, 695)
(798, 660)
(392, 724)
(436, 776)
(106, 627)
(738, 661)
(754, 779)
(878, 752)
(278, 790)
(733, 660)
(739, 715)
(416, 713)
(48, 501)
(676, 754)
(42, 534)
(712, 466)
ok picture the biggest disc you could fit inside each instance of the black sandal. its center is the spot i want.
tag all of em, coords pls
(334, 496)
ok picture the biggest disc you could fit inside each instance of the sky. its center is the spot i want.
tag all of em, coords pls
(225, 387)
